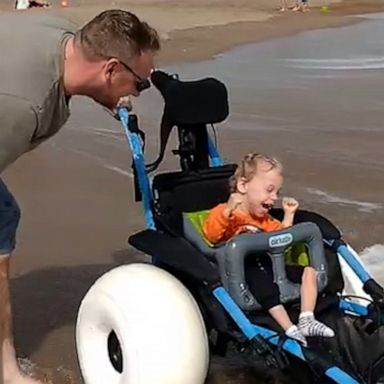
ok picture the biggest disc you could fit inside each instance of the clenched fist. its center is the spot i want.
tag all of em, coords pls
(290, 205)
(234, 201)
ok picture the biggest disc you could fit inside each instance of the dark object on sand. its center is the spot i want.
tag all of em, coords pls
(26, 4)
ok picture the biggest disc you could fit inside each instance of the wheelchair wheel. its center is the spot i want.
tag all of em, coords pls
(139, 325)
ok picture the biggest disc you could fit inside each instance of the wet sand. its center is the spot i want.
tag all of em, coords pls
(75, 191)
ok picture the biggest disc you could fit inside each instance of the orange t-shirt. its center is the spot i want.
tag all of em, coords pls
(217, 227)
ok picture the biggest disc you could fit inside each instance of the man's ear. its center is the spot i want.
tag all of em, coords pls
(110, 68)
(242, 185)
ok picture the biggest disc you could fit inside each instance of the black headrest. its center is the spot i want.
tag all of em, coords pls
(202, 101)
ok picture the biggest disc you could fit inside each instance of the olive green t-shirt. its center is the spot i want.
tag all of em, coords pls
(33, 105)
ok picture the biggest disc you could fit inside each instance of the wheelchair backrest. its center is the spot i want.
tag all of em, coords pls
(191, 106)
(178, 192)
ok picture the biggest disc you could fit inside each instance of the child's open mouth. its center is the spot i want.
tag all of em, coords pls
(267, 206)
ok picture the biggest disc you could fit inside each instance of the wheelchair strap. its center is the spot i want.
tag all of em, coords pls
(165, 130)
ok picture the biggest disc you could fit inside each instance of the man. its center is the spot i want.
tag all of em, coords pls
(44, 62)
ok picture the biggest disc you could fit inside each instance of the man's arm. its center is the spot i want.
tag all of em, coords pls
(18, 122)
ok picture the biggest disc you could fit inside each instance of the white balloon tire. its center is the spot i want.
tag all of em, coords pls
(110, 305)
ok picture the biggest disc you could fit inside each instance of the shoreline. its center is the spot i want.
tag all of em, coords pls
(197, 31)
(191, 45)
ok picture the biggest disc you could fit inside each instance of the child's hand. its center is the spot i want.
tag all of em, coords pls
(290, 205)
(234, 201)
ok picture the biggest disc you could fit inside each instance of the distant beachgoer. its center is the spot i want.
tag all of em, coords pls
(26, 4)
(284, 6)
(301, 5)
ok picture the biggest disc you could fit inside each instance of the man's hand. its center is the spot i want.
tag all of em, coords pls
(125, 102)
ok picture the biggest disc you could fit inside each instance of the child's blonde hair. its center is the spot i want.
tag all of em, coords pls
(248, 167)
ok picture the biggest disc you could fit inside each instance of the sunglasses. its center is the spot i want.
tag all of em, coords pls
(140, 83)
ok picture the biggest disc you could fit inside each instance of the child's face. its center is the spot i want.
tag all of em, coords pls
(262, 191)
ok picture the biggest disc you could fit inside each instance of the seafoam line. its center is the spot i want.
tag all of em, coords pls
(101, 161)
(362, 206)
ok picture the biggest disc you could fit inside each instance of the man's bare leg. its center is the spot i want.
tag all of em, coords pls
(10, 371)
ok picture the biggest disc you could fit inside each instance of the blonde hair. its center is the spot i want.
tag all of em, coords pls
(249, 166)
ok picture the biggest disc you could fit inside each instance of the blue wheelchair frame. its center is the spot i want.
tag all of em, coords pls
(249, 330)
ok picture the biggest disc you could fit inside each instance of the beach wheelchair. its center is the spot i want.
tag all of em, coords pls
(162, 321)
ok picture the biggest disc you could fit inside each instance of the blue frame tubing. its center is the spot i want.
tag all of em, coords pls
(251, 330)
(347, 255)
(134, 142)
(352, 307)
(370, 285)
(213, 153)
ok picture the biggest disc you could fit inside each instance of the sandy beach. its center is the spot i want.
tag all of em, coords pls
(195, 30)
(76, 193)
